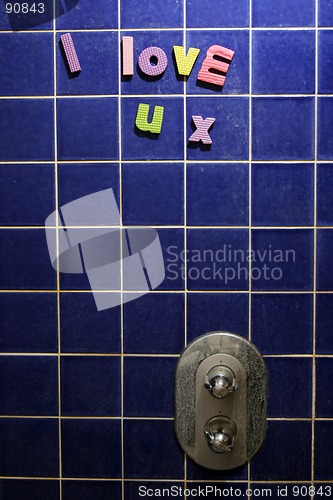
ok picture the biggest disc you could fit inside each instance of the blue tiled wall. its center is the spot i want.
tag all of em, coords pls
(86, 397)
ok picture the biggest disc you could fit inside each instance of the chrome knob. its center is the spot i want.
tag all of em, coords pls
(220, 433)
(220, 381)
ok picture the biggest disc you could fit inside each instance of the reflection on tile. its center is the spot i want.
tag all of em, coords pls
(87, 129)
(282, 323)
(90, 386)
(274, 463)
(30, 447)
(91, 448)
(20, 78)
(154, 324)
(283, 128)
(283, 13)
(152, 435)
(101, 14)
(211, 194)
(297, 51)
(210, 15)
(31, 133)
(283, 259)
(158, 374)
(279, 198)
(208, 312)
(145, 14)
(153, 193)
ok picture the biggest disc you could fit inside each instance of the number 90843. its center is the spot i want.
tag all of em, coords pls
(25, 8)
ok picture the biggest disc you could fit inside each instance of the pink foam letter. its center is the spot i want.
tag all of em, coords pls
(211, 63)
(128, 57)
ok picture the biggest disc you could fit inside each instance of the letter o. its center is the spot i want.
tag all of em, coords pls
(145, 61)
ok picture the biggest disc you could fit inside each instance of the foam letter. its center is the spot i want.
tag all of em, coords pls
(128, 58)
(145, 61)
(142, 119)
(201, 134)
(185, 63)
(70, 52)
(211, 63)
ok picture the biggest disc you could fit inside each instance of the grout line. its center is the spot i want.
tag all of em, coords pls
(57, 240)
(314, 250)
(250, 204)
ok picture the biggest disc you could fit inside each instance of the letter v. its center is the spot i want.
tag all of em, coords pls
(185, 63)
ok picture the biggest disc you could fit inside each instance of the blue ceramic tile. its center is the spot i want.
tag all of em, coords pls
(209, 312)
(28, 59)
(150, 436)
(29, 447)
(325, 124)
(325, 62)
(296, 75)
(324, 259)
(292, 334)
(29, 385)
(27, 194)
(211, 15)
(229, 133)
(324, 324)
(274, 463)
(145, 14)
(153, 193)
(216, 259)
(148, 488)
(91, 448)
(215, 490)
(168, 82)
(283, 128)
(237, 78)
(282, 259)
(25, 261)
(323, 450)
(283, 13)
(28, 322)
(101, 14)
(158, 398)
(84, 329)
(30, 135)
(217, 194)
(197, 472)
(87, 129)
(324, 194)
(90, 386)
(98, 55)
(138, 145)
(154, 324)
(29, 488)
(282, 194)
(325, 17)
(86, 490)
(295, 375)
(172, 243)
(79, 180)
(324, 400)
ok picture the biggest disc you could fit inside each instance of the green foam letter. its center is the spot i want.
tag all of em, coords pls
(142, 119)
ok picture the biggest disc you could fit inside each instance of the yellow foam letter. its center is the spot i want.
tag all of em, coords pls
(185, 63)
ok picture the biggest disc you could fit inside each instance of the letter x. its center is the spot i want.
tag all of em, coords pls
(201, 134)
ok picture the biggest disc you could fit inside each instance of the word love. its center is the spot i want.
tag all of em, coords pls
(153, 62)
